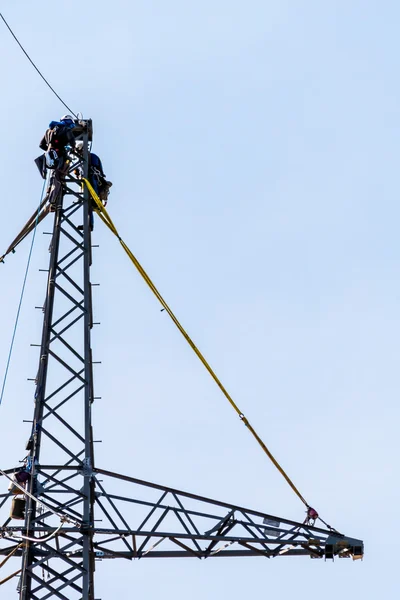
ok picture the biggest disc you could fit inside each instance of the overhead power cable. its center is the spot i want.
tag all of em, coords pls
(105, 217)
(21, 297)
(36, 68)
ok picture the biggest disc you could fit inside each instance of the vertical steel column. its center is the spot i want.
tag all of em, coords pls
(88, 488)
(25, 584)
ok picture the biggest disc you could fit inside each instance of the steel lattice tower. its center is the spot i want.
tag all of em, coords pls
(59, 542)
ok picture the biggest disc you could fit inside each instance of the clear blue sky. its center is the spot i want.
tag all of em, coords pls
(253, 148)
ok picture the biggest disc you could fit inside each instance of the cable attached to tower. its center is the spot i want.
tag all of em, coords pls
(36, 68)
(21, 296)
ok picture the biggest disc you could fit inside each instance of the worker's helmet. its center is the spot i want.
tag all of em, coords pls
(67, 118)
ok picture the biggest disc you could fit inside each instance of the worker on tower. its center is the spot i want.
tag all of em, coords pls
(97, 179)
(57, 140)
(96, 175)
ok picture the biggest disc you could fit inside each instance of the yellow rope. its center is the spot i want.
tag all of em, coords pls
(105, 217)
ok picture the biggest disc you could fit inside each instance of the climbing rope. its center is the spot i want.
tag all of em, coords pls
(21, 297)
(105, 217)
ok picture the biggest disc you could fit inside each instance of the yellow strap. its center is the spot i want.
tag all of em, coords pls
(105, 217)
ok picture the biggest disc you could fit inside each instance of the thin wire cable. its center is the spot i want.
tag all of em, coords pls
(42, 539)
(21, 298)
(35, 67)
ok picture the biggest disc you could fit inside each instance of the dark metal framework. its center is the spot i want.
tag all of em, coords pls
(60, 541)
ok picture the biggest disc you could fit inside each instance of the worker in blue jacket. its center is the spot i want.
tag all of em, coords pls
(96, 175)
(97, 179)
(57, 140)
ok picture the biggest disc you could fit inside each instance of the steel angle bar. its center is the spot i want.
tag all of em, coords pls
(66, 467)
(61, 576)
(109, 540)
(64, 553)
(105, 495)
(112, 553)
(224, 530)
(186, 528)
(71, 253)
(63, 485)
(53, 476)
(66, 583)
(73, 283)
(68, 313)
(185, 547)
(154, 529)
(46, 586)
(266, 552)
(60, 445)
(51, 488)
(282, 543)
(72, 262)
(62, 386)
(133, 500)
(155, 506)
(225, 520)
(63, 508)
(71, 179)
(5, 498)
(58, 335)
(8, 471)
(77, 241)
(66, 365)
(262, 540)
(69, 397)
(70, 210)
(72, 192)
(109, 517)
(67, 295)
(68, 346)
(79, 250)
(153, 546)
(187, 513)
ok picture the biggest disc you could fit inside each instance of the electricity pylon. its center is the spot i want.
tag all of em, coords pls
(59, 491)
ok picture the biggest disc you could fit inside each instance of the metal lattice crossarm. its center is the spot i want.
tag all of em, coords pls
(146, 520)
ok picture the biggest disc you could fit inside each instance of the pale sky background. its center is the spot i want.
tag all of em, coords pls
(253, 148)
